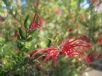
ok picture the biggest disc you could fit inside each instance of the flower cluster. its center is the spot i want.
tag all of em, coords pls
(71, 48)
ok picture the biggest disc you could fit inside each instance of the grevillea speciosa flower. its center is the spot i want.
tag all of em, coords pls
(36, 23)
(74, 48)
(100, 40)
(47, 53)
(89, 58)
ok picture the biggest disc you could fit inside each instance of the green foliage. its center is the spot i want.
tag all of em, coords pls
(58, 16)
(26, 22)
(22, 34)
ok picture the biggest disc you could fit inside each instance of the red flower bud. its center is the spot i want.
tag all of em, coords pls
(89, 58)
(36, 23)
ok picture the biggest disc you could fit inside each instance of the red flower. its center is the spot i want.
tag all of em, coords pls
(100, 40)
(89, 58)
(36, 23)
(51, 53)
(74, 48)
(70, 30)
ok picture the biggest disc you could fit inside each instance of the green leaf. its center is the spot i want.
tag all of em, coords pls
(26, 22)
(22, 34)
(7, 3)
(36, 19)
(29, 38)
(81, 1)
(19, 45)
(49, 42)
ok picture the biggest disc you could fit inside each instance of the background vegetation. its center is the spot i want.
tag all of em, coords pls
(61, 19)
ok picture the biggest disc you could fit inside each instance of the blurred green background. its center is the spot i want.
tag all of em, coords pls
(61, 19)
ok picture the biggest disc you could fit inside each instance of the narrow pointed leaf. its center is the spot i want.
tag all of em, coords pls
(26, 22)
(22, 34)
